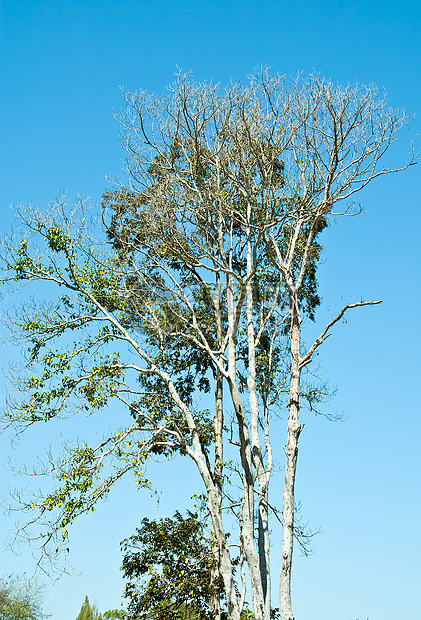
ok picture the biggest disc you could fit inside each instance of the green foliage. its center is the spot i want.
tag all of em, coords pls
(114, 614)
(20, 600)
(88, 611)
(167, 566)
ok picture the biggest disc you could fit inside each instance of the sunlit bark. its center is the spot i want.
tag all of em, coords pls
(205, 273)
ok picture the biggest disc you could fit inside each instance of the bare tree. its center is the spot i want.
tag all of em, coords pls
(207, 274)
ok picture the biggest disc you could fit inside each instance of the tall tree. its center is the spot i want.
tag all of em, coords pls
(88, 611)
(205, 275)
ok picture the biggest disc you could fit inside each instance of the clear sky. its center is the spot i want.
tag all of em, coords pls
(62, 65)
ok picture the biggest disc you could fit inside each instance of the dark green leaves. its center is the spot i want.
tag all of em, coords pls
(167, 565)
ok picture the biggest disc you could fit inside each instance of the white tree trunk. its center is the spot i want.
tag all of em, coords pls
(215, 603)
(294, 429)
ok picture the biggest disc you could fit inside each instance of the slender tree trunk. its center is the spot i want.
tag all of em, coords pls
(215, 603)
(225, 563)
(294, 430)
(263, 597)
(250, 551)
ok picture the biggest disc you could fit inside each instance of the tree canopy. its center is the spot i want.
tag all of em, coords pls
(184, 298)
(20, 600)
(167, 567)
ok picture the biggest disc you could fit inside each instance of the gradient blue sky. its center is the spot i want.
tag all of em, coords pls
(62, 64)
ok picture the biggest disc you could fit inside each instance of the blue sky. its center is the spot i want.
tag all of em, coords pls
(62, 66)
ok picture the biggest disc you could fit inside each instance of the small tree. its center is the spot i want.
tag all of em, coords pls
(201, 284)
(167, 565)
(88, 611)
(20, 600)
